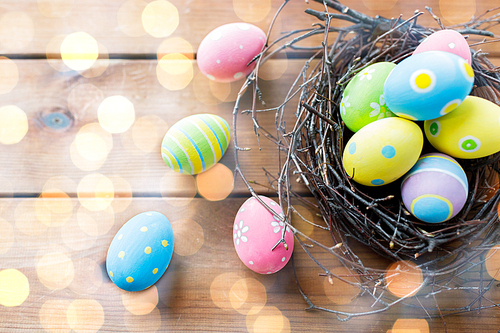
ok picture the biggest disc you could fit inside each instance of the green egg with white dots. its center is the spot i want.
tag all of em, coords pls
(363, 100)
(141, 251)
(472, 130)
(383, 151)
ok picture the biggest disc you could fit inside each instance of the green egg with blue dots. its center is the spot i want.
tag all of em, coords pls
(141, 251)
(382, 151)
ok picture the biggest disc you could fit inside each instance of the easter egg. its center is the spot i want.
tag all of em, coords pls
(471, 131)
(140, 252)
(363, 99)
(446, 40)
(435, 189)
(195, 143)
(256, 231)
(382, 151)
(428, 85)
(223, 55)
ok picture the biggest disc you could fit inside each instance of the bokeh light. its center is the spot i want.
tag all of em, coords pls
(220, 288)
(492, 262)
(116, 114)
(148, 323)
(14, 287)
(147, 133)
(95, 223)
(26, 219)
(174, 71)
(216, 183)
(6, 236)
(248, 296)
(13, 124)
(176, 185)
(88, 276)
(129, 18)
(220, 90)
(79, 51)
(54, 267)
(411, 326)
(338, 291)
(252, 11)
(16, 30)
(141, 302)
(9, 75)
(85, 315)
(403, 278)
(100, 65)
(91, 147)
(268, 320)
(457, 12)
(175, 45)
(160, 18)
(55, 8)
(300, 221)
(274, 68)
(53, 211)
(376, 5)
(53, 316)
(203, 92)
(123, 194)
(75, 238)
(53, 54)
(189, 237)
(95, 192)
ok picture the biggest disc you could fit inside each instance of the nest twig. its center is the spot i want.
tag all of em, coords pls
(312, 150)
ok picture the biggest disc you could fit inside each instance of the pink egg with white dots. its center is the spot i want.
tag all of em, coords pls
(225, 52)
(448, 41)
(256, 231)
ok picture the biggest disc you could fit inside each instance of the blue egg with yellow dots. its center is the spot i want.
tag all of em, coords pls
(435, 189)
(141, 251)
(428, 85)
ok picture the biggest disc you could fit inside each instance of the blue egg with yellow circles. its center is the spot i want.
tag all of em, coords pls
(428, 85)
(435, 189)
(141, 251)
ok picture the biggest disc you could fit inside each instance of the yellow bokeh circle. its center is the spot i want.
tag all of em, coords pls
(216, 183)
(79, 51)
(129, 18)
(141, 302)
(85, 315)
(14, 287)
(55, 8)
(160, 18)
(95, 192)
(9, 75)
(116, 114)
(13, 124)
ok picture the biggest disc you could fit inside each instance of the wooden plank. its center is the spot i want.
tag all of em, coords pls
(65, 139)
(35, 26)
(206, 287)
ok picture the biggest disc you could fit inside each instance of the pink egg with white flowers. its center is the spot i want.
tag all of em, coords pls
(256, 231)
(225, 52)
(448, 41)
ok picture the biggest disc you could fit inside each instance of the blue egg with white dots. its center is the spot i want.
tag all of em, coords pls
(141, 251)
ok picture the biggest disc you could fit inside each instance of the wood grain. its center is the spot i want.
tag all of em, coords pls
(117, 26)
(203, 291)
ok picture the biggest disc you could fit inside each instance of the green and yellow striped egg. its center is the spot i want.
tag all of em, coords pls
(195, 143)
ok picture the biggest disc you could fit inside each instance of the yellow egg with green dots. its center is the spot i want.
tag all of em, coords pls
(195, 143)
(141, 251)
(383, 151)
(472, 130)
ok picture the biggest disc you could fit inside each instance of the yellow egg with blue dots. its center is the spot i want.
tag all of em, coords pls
(141, 251)
(195, 143)
(382, 151)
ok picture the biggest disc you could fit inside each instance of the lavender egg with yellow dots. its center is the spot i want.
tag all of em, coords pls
(382, 151)
(428, 85)
(435, 189)
(195, 143)
(141, 251)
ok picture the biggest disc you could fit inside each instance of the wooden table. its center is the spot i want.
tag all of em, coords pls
(67, 185)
